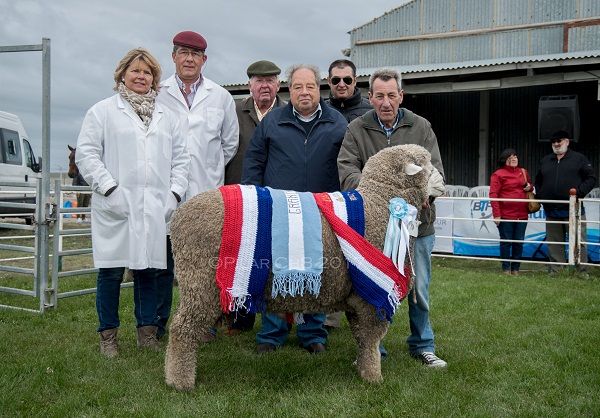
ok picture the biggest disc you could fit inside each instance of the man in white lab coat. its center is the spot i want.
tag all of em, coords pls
(209, 123)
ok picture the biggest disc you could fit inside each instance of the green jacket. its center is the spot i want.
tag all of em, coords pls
(248, 120)
(365, 137)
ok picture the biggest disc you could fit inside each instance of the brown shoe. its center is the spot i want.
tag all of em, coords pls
(315, 348)
(146, 337)
(108, 343)
(515, 272)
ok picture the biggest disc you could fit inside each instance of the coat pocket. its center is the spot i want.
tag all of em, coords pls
(114, 205)
(170, 207)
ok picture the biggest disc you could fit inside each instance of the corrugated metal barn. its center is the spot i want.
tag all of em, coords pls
(477, 70)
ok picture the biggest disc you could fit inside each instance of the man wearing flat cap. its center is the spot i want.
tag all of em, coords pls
(263, 82)
(209, 123)
(560, 171)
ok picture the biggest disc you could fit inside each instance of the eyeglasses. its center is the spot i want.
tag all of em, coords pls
(556, 140)
(336, 80)
(190, 52)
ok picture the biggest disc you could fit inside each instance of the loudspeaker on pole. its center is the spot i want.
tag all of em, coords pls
(558, 113)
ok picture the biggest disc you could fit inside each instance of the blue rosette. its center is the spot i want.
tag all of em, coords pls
(398, 208)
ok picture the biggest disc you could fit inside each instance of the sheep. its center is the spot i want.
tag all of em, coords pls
(196, 235)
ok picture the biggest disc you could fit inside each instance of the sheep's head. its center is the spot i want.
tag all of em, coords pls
(399, 171)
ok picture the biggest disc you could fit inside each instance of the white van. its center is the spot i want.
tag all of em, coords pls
(17, 164)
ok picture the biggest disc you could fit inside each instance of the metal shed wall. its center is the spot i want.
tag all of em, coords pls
(447, 17)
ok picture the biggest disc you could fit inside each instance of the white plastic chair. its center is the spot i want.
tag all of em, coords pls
(594, 193)
(457, 191)
(479, 191)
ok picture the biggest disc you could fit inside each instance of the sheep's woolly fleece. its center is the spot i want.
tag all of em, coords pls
(196, 236)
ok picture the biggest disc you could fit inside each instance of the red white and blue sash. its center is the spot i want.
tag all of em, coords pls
(245, 254)
(374, 276)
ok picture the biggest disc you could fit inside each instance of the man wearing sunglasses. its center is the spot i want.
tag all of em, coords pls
(560, 171)
(209, 123)
(344, 96)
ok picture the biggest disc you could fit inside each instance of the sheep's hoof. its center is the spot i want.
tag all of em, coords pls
(371, 376)
(180, 386)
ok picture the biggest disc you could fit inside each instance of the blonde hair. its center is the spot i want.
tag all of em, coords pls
(144, 56)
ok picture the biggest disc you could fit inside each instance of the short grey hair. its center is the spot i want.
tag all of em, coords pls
(385, 74)
(290, 72)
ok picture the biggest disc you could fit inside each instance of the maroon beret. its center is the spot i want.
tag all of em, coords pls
(190, 39)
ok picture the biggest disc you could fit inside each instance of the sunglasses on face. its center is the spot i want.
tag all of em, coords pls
(336, 80)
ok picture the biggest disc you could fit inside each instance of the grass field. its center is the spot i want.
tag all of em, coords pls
(522, 346)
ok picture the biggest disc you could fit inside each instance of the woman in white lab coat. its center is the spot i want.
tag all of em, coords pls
(131, 152)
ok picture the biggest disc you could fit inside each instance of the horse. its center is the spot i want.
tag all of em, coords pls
(73, 170)
(83, 199)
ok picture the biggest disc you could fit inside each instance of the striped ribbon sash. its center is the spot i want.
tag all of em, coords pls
(245, 253)
(374, 276)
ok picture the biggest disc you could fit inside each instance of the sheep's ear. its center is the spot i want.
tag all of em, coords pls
(412, 169)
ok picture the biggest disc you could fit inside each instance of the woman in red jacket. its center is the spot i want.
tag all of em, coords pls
(510, 181)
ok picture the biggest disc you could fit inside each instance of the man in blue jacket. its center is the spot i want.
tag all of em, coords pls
(295, 148)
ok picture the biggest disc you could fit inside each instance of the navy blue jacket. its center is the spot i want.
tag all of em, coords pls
(283, 156)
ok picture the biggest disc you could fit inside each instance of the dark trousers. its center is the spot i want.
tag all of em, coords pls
(108, 291)
(242, 320)
(164, 292)
(511, 250)
(560, 233)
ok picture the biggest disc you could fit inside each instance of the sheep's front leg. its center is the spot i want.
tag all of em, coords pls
(368, 330)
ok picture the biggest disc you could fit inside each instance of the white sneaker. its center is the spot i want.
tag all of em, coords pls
(431, 360)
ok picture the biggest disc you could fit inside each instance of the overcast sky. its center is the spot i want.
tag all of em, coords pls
(88, 38)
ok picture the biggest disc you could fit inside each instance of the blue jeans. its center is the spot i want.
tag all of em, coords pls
(421, 334)
(511, 250)
(108, 291)
(164, 292)
(275, 330)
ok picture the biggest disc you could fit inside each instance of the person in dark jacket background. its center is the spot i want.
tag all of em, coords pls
(559, 172)
(295, 148)
(344, 96)
(510, 181)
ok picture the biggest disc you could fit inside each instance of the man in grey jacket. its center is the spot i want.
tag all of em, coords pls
(387, 125)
